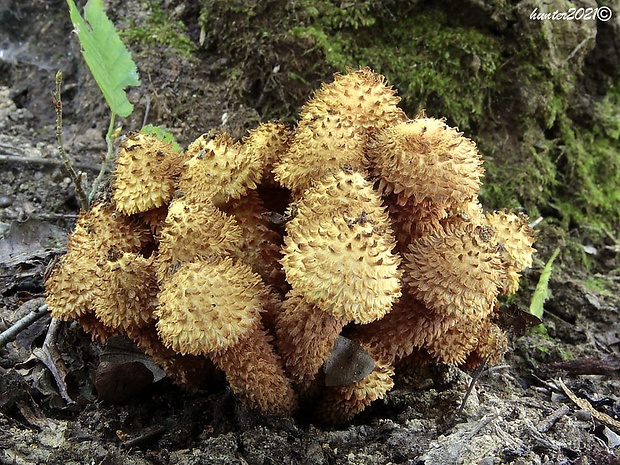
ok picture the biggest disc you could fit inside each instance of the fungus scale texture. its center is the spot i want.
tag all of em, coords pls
(457, 271)
(268, 142)
(426, 160)
(146, 173)
(219, 170)
(127, 291)
(207, 306)
(259, 246)
(338, 250)
(516, 238)
(342, 403)
(193, 231)
(302, 355)
(254, 371)
(73, 285)
(333, 128)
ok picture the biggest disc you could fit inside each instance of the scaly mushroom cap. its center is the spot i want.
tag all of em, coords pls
(338, 251)
(72, 286)
(269, 142)
(427, 160)
(456, 272)
(127, 291)
(205, 306)
(321, 146)
(260, 245)
(195, 231)
(492, 342)
(98, 331)
(516, 238)
(146, 173)
(341, 403)
(102, 228)
(219, 170)
(154, 219)
(333, 128)
(364, 97)
(414, 220)
(399, 333)
(453, 346)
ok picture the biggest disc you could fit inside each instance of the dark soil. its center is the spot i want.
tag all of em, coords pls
(122, 414)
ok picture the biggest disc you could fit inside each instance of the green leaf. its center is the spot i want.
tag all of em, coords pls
(542, 288)
(106, 56)
(163, 135)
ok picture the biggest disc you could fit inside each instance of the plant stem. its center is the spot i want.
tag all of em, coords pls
(110, 137)
(75, 177)
(11, 333)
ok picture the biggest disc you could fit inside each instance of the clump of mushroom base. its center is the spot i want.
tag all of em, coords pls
(254, 255)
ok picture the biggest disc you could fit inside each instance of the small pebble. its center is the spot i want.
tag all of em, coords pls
(583, 415)
(5, 201)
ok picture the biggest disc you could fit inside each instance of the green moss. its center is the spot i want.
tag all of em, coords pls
(505, 80)
(436, 66)
(600, 286)
(159, 29)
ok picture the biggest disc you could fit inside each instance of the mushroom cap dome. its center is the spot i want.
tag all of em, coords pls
(207, 306)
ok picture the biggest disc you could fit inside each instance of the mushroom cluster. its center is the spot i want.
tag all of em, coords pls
(255, 257)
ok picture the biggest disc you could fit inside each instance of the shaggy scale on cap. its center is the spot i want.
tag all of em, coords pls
(333, 128)
(338, 251)
(146, 173)
(426, 160)
(127, 291)
(303, 356)
(214, 310)
(219, 170)
(516, 238)
(456, 272)
(259, 245)
(72, 286)
(268, 142)
(207, 306)
(194, 231)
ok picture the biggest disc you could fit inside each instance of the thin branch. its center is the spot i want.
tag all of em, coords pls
(75, 177)
(11, 333)
(110, 137)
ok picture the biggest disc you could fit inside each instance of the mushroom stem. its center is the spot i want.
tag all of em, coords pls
(305, 338)
(254, 371)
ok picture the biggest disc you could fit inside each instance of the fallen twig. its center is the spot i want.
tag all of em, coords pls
(149, 436)
(11, 333)
(546, 424)
(584, 404)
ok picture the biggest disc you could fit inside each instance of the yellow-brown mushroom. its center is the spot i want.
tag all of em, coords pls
(456, 272)
(194, 230)
(338, 259)
(213, 309)
(333, 128)
(146, 173)
(516, 238)
(427, 161)
(218, 170)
